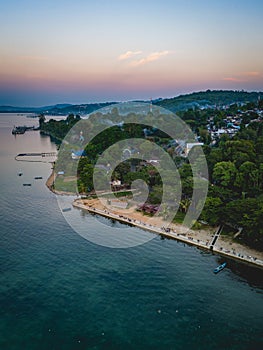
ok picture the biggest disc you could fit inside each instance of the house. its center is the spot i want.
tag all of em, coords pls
(78, 154)
(189, 146)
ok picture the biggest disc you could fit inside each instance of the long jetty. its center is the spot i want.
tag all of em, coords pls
(42, 154)
(41, 157)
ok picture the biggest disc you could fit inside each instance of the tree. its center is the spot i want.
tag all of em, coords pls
(211, 210)
(184, 205)
(224, 174)
(246, 213)
(86, 178)
(247, 177)
(233, 148)
(41, 120)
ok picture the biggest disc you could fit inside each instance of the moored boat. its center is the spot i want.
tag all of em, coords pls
(19, 130)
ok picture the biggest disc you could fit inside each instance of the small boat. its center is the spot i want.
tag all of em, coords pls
(26, 184)
(66, 209)
(220, 267)
(38, 177)
(20, 173)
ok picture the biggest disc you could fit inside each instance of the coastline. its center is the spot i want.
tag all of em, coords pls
(50, 184)
(51, 179)
(198, 238)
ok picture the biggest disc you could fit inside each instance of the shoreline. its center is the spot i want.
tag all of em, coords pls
(50, 182)
(198, 238)
(51, 179)
(227, 250)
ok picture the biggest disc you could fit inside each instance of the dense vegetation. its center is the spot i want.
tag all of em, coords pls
(236, 183)
(235, 165)
(208, 98)
(57, 129)
(182, 102)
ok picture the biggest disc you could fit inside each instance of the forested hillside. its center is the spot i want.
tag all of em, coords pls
(234, 159)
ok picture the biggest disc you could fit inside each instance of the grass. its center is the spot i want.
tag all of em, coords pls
(68, 186)
(179, 218)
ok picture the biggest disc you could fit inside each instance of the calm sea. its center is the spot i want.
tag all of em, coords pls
(59, 291)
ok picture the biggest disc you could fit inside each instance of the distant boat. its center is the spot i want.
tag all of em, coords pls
(66, 209)
(26, 184)
(38, 177)
(220, 267)
(20, 173)
(19, 130)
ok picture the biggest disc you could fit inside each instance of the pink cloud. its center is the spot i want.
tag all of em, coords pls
(154, 56)
(251, 74)
(128, 54)
(233, 79)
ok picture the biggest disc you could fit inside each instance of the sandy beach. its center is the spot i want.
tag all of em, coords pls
(201, 238)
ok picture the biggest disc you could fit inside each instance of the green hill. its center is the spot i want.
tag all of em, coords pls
(208, 98)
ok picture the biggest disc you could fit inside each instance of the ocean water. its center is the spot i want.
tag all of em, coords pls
(59, 291)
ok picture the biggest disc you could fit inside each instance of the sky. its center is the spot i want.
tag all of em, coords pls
(86, 51)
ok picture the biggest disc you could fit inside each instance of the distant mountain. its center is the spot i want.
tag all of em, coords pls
(63, 109)
(79, 109)
(11, 109)
(205, 99)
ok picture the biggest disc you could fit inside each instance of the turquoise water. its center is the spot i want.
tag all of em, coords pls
(59, 291)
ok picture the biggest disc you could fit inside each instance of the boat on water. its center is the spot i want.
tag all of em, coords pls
(38, 177)
(26, 184)
(220, 267)
(20, 173)
(66, 209)
(19, 130)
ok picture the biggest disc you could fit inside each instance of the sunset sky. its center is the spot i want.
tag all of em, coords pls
(84, 51)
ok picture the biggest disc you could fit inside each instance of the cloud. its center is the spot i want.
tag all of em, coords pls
(128, 54)
(251, 74)
(233, 79)
(154, 56)
(243, 77)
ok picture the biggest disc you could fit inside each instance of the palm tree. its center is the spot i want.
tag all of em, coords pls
(184, 204)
